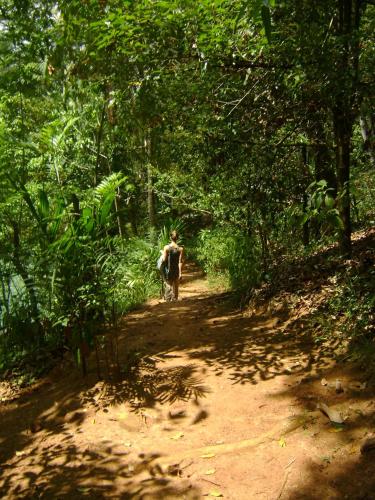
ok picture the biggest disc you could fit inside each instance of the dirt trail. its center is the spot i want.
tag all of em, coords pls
(220, 404)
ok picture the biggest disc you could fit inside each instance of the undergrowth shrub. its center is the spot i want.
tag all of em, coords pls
(130, 274)
(354, 302)
(96, 285)
(349, 313)
(363, 199)
(230, 256)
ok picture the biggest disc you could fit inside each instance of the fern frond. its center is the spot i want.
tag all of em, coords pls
(109, 185)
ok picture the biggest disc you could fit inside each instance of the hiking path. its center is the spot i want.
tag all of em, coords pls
(215, 402)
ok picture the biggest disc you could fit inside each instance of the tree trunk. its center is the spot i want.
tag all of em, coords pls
(265, 250)
(6, 293)
(349, 17)
(119, 213)
(151, 198)
(99, 137)
(343, 132)
(323, 167)
(306, 225)
(150, 187)
(133, 216)
(76, 206)
(367, 124)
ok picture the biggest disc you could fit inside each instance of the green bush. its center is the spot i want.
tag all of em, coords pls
(130, 274)
(230, 255)
(354, 302)
(109, 280)
(348, 315)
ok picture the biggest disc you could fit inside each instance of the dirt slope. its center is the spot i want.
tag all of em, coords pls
(220, 404)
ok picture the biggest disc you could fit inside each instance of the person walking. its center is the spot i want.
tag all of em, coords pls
(173, 257)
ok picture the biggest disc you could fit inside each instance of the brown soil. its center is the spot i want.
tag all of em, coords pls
(220, 404)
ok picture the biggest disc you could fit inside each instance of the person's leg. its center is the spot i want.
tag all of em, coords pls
(175, 288)
(168, 291)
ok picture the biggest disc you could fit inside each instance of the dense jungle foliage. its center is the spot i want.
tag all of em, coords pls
(247, 124)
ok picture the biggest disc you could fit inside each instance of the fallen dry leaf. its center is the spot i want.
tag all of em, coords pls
(336, 429)
(282, 442)
(210, 471)
(177, 413)
(331, 413)
(215, 493)
(208, 455)
(357, 386)
(179, 435)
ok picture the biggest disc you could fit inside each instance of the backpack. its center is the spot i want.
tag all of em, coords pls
(160, 264)
(169, 270)
(172, 270)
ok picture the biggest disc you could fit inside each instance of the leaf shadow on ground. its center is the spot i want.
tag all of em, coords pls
(64, 468)
(355, 480)
(278, 341)
(66, 471)
(270, 345)
(333, 465)
(207, 330)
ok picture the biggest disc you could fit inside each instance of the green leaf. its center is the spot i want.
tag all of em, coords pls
(43, 204)
(109, 184)
(241, 14)
(329, 201)
(266, 18)
(304, 218)
(87, 219)
(335, 220)
(56, 218)
(106, 208)
(318, 200)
